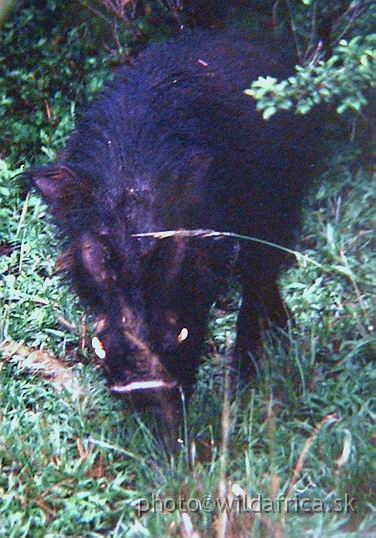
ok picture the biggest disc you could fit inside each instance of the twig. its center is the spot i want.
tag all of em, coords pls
(226, 428)
(42, 364)
(94, 11)
(346, 451)
(294, 32)
(117, 7)
(204, 234)
(311, 38)
(357, 11)
(274, 14)
(333, 417)
(66, 324)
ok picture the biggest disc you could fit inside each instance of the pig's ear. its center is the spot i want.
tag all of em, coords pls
(54, 183)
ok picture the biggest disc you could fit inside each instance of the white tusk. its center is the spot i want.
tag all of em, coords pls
(98, 347)
(183, 335)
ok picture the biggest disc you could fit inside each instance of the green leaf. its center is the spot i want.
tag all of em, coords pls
(269, 112)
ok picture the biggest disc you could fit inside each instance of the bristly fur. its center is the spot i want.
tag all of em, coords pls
(173, 142)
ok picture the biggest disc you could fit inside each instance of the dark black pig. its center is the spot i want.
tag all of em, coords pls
(174, 143)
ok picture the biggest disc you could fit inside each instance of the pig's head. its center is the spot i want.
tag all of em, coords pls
(150, 298)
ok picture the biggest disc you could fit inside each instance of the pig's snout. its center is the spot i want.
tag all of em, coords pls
(166, 402)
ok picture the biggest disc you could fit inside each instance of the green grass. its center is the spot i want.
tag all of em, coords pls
(75, 463)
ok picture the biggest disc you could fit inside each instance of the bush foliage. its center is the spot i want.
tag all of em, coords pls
(339, 68)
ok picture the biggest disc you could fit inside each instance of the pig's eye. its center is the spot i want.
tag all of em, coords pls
(98, 348)
(183, 335)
